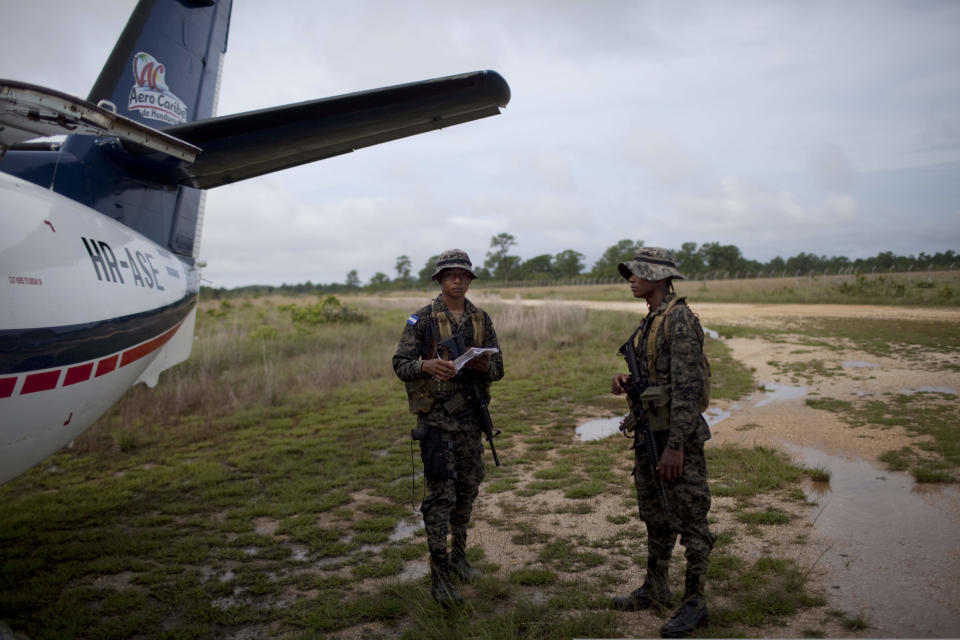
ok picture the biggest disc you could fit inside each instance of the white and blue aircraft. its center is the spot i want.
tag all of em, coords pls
(98, 274)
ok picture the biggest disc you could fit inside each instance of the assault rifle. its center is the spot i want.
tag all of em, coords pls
(635, 388)
(455, 347)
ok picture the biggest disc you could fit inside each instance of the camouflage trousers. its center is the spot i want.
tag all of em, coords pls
(453, 468)
(689, 500)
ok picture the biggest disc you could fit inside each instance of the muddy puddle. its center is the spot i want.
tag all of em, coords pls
(772, 392)
(947, 390)
(891, 546)
(404, 530)
(599, 429)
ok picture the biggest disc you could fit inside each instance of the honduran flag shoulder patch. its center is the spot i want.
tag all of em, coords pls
(412, 320)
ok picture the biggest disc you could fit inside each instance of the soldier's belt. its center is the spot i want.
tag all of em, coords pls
(439, 388)
(456, 404)
(422, 392)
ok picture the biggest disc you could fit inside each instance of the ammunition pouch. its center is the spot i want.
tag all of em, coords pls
(419, 398)
(457, 404)
(656, 406)
(423, 392)
(436, 449)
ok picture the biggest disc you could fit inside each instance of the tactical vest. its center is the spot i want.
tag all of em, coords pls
(663, 320)
(443, 323)
(423, 392)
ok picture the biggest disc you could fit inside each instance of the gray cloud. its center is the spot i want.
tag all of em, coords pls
(832, 169)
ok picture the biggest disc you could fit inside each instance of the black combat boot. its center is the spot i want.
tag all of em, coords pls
(458, 557)
(692, 612)
(654, 592)
(441, 587)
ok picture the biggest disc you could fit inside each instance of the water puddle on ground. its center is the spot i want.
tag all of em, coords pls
(891, 546)
(859, 364)
(716, 414)
(401, 531)
(414, 570)
(405, 530)
(776, 392)
(298, 553)
(599, 429)
(947, 390)
(771, 392)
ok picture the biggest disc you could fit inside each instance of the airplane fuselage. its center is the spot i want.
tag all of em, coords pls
(89, 308)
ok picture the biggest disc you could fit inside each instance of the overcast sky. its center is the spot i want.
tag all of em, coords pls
(830, 127)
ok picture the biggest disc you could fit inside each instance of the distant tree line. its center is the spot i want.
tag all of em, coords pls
(501, 265)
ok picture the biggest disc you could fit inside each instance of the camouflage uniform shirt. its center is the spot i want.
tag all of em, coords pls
(678, 367)
(418, 343)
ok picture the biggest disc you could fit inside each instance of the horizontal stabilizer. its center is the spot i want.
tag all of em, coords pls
(245, 145)
(28, 111)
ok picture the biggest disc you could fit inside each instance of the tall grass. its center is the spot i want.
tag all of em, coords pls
(252, 354)
(522, 326)
(248, 355)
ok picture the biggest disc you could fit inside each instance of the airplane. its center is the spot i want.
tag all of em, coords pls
(99, 232)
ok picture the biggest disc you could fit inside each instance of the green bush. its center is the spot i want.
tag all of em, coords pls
(326, 311)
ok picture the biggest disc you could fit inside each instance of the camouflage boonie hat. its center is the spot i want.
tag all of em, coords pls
(454, 259)
(651, 263)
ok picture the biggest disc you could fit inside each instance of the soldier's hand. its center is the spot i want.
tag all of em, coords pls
(440, 369)
(671, 463)
(481, 364)
(619, 382)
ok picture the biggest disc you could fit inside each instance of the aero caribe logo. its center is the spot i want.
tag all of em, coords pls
(150, 96)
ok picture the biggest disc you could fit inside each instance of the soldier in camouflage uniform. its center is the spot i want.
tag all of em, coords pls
(680, 431)
(449, 434)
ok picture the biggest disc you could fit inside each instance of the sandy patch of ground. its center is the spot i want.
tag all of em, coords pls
(850, 379)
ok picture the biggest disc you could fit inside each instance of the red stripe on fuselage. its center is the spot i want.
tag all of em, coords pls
(107, 365)
(134, 354)
(79, 373)
(48, 380)
(40, 381)
(6, 387)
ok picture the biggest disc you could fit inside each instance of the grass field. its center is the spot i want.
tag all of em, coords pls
(264, 489)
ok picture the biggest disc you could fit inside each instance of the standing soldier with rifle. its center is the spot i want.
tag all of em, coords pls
(669, 380)
(451, 413)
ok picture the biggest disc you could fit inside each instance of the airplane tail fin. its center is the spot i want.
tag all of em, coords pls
(165, 67)
(163, 71)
